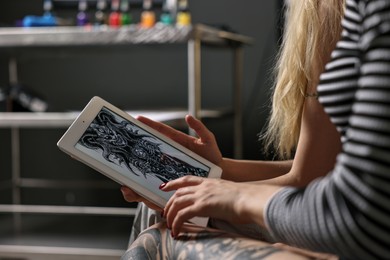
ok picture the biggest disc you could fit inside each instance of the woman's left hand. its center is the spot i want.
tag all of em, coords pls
(215, 198)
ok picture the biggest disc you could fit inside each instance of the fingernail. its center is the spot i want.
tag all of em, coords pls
(162, 185)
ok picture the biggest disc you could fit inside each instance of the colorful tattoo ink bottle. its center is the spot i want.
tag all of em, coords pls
(183, 17)
(125, 16)
(168, 9)
(114, 19)
(82, 16)
(47, 8)
(100, 14)
(47, 19)
(148, 17)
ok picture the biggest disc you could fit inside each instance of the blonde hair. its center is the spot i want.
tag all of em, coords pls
(311, 30)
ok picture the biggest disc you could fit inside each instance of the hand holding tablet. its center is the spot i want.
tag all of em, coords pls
(130, 152)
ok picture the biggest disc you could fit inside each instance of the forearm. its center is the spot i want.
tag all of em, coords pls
(288, 179)
(246, 170)
(319, 143)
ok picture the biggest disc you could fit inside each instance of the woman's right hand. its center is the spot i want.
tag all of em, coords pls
(130, 196)
(204, 145)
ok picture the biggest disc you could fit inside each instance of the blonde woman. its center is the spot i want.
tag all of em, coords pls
(312, 29)
(298, 124)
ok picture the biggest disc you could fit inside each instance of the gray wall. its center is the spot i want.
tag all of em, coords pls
(143, 77)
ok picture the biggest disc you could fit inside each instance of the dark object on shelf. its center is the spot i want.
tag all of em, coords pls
(24, 99)
(3, 100)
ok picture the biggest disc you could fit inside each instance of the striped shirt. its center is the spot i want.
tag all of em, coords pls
(347, 213)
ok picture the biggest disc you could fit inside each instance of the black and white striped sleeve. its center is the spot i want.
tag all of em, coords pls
(348, 212)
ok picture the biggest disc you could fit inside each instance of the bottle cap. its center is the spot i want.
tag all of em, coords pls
(47, 6)
(115, 5)
(124, 6)
(83, 5)
(101, 5)
(147, 4)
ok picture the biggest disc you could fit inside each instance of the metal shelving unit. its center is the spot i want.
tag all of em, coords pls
(193, 36)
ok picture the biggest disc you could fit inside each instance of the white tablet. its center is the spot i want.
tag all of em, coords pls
(131, 153)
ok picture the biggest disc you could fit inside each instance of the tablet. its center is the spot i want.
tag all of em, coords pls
(131, 153)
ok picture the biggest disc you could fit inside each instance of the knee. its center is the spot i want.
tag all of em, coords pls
(146, 246)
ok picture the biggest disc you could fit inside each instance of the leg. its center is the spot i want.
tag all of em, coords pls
(202, 243)
(144, 218)
(247, 230)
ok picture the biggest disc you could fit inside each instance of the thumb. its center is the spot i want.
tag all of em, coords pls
(200, 129)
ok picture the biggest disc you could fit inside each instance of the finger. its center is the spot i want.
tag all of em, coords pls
(152, 206)
(178, 203)
(129, 195)
(179, 185)
(166, 130)
(175, 198)
(181, 217)
(200, 129)
(185, 181)
(160, 127)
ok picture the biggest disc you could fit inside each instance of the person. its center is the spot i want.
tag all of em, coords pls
(298, 71)
(345, 212)
(304, 52)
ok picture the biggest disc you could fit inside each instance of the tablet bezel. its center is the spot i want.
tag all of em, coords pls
(82, 122)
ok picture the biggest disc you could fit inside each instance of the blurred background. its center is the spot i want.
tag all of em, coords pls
(133, 77)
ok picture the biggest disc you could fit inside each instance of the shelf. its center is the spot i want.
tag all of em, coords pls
(58, 253)
(39, 231)
(66, 184)
(56, 184)
(194, 36)
(64, 237)
(132, 34)
(55, 120)
(74, 210)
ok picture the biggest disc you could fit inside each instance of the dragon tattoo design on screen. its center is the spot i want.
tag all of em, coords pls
(121, 142)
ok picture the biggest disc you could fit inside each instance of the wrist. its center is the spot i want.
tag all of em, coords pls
(225, 165)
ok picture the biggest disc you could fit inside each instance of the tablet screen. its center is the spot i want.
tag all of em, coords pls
(135, 152)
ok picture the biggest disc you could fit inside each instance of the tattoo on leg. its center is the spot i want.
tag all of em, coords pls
(157, 243)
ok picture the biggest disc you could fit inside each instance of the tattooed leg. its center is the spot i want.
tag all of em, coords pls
(247, 230)
(144, 218)
(202, 243)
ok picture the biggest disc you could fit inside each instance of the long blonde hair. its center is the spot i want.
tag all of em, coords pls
(311, 30)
